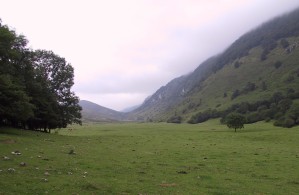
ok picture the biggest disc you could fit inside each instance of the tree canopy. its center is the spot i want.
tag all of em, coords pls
(235, 121)
(35, 86)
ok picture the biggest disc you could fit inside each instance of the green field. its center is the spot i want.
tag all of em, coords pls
(151, 158)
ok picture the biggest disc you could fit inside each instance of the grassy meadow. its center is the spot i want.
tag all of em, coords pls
(151, 158)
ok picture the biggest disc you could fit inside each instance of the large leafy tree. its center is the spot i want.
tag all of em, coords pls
(58, 77)
(35, 86)
(15, 107)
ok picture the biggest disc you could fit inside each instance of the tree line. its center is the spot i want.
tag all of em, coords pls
(35, 86)
(281, 108)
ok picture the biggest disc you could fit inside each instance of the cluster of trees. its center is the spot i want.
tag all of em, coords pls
(35, 86)
(175, 119)
(280, 108)
(246, 89)
(204, 116)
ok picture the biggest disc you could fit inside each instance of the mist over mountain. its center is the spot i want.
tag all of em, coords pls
(130, 109)
(258, 76)
(259, 64)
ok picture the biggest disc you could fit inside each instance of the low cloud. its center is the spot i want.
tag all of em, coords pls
(123, 51)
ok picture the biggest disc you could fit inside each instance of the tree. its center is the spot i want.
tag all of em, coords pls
(235, 121)
(249, 87)
(57, 78)
(15, 106)
(35, 86)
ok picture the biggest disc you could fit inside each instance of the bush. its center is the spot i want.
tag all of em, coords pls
(237, 64)
(243, 108)
(285, 122)
(284, 105)
(249, 87)
(276, 97)
(235, 94)
(253, 117)
(268, 119)
(204, 116)
(288, 122)
(278, 116)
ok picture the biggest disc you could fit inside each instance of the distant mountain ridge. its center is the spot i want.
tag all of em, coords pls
(93, 112)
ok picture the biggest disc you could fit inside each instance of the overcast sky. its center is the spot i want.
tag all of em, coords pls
(124, 50)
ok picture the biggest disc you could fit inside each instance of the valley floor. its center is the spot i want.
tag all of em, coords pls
(151, 158)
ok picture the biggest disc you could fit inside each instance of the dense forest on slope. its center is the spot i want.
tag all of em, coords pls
(35, 86)
(257, 68)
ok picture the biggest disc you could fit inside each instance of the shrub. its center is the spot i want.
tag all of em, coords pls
(249, 87)
(285, 122)
(276, 97)
(284, 105)
(203, 116)
(235, 94)
(253, 117)
(237, 64)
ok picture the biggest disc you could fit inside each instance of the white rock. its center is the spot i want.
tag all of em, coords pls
(23, 164)
(6, 158)
(11, 170)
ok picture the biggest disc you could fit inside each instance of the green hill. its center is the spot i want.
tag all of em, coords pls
(258, 65)
(92, 112)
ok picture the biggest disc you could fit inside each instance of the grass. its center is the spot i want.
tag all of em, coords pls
(151, 158)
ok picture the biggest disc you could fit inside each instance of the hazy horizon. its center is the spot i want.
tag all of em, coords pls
(123, 51)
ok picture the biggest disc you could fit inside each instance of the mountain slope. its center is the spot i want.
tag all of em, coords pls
(257, 65)
(96, 113)
(130, 109)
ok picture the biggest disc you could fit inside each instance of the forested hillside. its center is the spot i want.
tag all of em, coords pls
(35, 86)
(258, 76)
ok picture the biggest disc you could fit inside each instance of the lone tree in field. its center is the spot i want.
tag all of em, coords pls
(235, 121)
